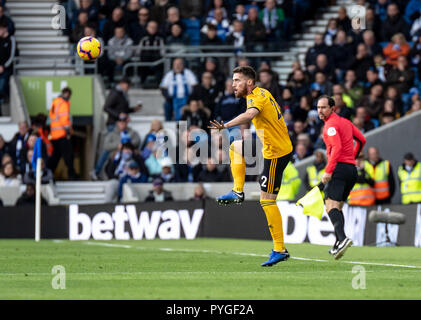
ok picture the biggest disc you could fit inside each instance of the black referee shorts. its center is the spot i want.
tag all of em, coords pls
(343, 179)
(273, 169)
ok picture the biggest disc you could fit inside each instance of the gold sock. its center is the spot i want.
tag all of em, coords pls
(274, 218)
(238, 169)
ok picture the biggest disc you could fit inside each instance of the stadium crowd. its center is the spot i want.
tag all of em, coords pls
(373, 75)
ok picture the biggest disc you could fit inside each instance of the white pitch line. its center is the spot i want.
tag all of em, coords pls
(249, 254)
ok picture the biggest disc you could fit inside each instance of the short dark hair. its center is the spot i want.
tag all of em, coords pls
(66, 90)
(330, 100)
(247, 71)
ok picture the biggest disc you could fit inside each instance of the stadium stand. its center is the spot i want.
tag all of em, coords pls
(373, 74)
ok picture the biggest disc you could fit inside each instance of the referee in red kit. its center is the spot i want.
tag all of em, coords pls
(340, 173)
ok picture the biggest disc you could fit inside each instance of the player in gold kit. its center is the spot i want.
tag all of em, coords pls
(265, 113)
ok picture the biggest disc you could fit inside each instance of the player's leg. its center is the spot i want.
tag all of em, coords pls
(271, 180)
(238, 170)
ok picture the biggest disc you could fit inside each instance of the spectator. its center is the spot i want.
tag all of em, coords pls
(380, 8)
(28, 197)
(173, 14)
(117, 102)
(46, 175)
(61, 133)
(209, 173)
(29, 146)
(331, 32)
(117, 166)
(117, 20)
(4, 147)
(119, 51)
(409, 174)
(396, 48)
(236, 36)
(207, 92)
(79, 28)
(114, 140)
(5, 159)
(361, 62)
(273, 20)
(138, 28)
(167, 174)
(133, 176)
(8, 21)
(155, 131)
(212, 66)
(301, 111)
(352, 87)
(222, 25)
(177, 86)
(152, 39)
(287, 100)
(315, 172)
(312, 53)
(296, 65)
(191, 9)
(291, 183)
(374, 101)
(210, 36)
(159, 11)
(254, 31)
(159, 194)
(240, 13)
(369, 39)
(199, 193)
(386, 118)
(401, 76)
(324, 85)
(9, 176)
(341, 54)
(362, 115)
(268, 82)
(7, 53)
(382, 174)
(215, 5)
(304, 138)
(195, 116)
(394, 97)
(373, 23)
(372, 79)
(323, 66)
(343, 21)
(415, 54)
(362, 194)
(132, 10)
(177, 37)
(416, 106)
(394, 23)
(341, 107)
(299, 84)
(300, 153)
(313, 125)
(90, 8)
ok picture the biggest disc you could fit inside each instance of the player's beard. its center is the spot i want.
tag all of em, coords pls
(241, 92)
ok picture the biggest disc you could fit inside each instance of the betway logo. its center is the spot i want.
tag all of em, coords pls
(104, 226)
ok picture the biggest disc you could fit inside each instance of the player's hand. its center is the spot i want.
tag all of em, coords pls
(217, 125)
(326, 177)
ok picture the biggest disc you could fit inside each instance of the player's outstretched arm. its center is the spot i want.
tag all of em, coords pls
(243, 118)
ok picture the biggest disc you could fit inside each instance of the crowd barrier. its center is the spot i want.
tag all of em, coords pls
(191, 219)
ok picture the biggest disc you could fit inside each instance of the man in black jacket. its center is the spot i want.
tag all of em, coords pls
(117, 102)
(7, 53)
(394, 23)
(158, 194)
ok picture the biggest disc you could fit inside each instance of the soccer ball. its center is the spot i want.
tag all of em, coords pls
(89, 48)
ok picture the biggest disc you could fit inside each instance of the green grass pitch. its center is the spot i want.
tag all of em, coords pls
(203, 269)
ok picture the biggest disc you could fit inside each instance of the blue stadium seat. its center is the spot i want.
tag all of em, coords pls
(193, 30)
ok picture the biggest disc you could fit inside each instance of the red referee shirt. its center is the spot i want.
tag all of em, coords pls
(339, 135)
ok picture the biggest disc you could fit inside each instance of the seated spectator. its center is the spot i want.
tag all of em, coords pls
(341, 54)
(416, 106)
(236, 36)
(386, 118)
(207, 92)
(113, 142)
(8, 21)
(312, 53)
(313, 125)
(133, 175)
(380, 8)
(4, 147)
(373, 23)
(187, 169)
(210, 37)
(299, 84)
(167, 174)
(301, 111)
(364, 119)
(199, 193)
(152, 39)
(9, 175)
(46, 175)
(191, 9)
(361, 62)
(159, 11)
(323, 66)
(331, 32)
(298, 128)
(396, 48)
(18, 142)
(137, 29)
(401, 76)
(117, 165)
(296, 65)
(131, 12)
(323, 84)
(28, 197)
(222, 25)
(212, 65)
(304, 138)
(196, 116)
(372, 46)
(374, 101)
(352, 86)
(268, 82)
(228, 106)
(29, 146)
(119, 48)
(287, 100)
(79, 27)
(300, 153)
(177, 37)
(343, 21)
(156, 128)
(254, 31)
(273, 19)
(393, 94)
(159, 194)
(341, 108)
(90, 8)
(209, 172)
(215, 5)
(372, 79)
(117, 20)
(177, 86)
(394, 23)
(389, 107)
(7, 53)
(173, 16)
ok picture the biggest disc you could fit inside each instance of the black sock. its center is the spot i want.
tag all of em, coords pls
(338, 221)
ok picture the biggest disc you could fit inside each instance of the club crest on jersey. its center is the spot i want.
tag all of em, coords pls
(331, 131)
(250, 102)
